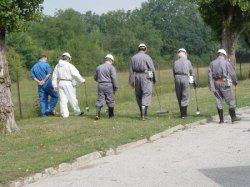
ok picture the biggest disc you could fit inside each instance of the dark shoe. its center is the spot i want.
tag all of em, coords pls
(233, 115)
(52, 113)
(81, 114)
(98, 112)
(111, 112)
(183, 112)
(220, 112)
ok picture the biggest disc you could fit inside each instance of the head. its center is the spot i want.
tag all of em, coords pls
(222, 53)
(182, 53)
(142, 47)
(109, 58)
(66, 56)
(43, 58)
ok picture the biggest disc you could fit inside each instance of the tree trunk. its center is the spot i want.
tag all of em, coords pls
(7, 118)
(229, 37)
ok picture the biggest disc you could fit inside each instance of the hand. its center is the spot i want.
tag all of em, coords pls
(40, 83)
(56, 89)
(133, 85)
(154, 81)
(235, 84)
(213, 90)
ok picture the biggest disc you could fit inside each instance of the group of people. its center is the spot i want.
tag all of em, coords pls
(142, 76)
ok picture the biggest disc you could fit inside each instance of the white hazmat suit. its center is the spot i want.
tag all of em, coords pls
(64, 79)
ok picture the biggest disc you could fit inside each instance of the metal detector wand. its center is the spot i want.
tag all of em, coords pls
(197, 106)
(86, 98)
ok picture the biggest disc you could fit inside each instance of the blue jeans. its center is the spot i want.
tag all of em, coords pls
(47, 105)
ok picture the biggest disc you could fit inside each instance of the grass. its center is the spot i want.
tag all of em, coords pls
(46, 142)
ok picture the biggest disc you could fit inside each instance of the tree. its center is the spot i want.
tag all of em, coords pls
(13, 17)
(228, 19)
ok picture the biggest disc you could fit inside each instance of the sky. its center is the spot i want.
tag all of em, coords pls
(96, 6)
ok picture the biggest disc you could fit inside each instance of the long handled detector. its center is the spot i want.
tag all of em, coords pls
(86, 98)
(197, 105)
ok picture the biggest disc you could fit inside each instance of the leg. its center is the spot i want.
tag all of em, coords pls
(185, 96)
(100, 101)
(178, 91)
(63, 103)
(53, 100)
(70, 92)
(43, 96)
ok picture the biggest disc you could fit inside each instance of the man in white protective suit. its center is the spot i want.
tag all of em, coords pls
(64, 80)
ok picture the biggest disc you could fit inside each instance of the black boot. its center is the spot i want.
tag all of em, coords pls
(184, 112)
(220, 112)
(233, 115)
(98, 112)
(143, 111)
(111, 112)
(140, 111)
(146, 112)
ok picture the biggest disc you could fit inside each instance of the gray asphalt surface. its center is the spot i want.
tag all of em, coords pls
(207, 155)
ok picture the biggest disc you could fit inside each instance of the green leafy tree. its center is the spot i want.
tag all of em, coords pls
(13, 17)
(228, 19)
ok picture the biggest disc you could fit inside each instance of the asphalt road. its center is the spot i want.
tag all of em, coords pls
(207, 155)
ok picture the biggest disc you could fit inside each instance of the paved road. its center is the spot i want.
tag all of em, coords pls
(207, 155)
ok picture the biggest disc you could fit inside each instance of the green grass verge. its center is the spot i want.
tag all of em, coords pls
(46, 142)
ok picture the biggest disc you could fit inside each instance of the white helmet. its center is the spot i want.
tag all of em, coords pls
(110, 57)
(67, 54)
(182, 50)
(142, 45)
(223, 51)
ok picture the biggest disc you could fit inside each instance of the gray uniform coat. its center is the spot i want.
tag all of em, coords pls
(106, 77)
(182, 68)
(138, 78)
(219, 69)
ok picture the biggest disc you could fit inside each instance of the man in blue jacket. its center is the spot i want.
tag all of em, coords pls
(41, 73)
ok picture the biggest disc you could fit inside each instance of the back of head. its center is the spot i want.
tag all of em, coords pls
(222, 52)
(109, 57)
(42, 58)
(182, 53)
(142, 47)
(66, 56)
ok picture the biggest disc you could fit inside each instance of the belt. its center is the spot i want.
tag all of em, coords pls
(104, 82)
(140, 71)
(184, 74)
(65, 80)
(219, 80)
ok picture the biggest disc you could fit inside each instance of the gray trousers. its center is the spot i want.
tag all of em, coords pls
(105, 94)
(223, 92)
(182, 90)
(143, 89)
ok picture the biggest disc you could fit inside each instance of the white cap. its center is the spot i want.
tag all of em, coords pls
(110, 57)
(182, 50)
(223, 51)
(66, 54)
(142, 46)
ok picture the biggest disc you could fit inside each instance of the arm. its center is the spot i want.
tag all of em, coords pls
(131, 76)
(232, 73)
(114, 79)
(75, 73)
(54, 78)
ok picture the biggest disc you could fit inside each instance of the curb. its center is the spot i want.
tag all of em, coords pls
(84, 160)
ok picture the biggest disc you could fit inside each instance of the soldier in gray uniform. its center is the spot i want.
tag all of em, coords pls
(106, 77)
(141, 76)
(220, 76)
(182, 69)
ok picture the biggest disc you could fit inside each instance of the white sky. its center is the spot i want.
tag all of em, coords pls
(97, 6)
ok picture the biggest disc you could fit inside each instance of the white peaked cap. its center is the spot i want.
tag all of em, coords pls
(182, 50)
(110, 57)
(66, 54)
(142, 46)
(223, 51)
